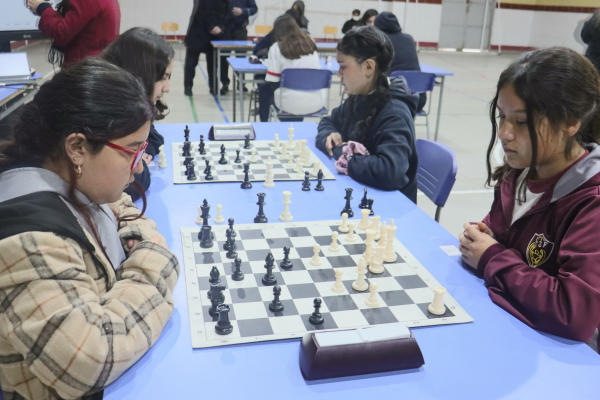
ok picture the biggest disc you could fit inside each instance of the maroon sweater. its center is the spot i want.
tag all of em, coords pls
(545, 269)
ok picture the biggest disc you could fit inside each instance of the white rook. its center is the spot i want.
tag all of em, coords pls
(286, 216)
(437, 305)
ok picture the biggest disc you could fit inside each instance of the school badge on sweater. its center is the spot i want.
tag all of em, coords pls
(538, 250)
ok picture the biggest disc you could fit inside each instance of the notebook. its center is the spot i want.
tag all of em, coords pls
(14, 69)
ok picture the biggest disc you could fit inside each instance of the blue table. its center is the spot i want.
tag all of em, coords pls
(8, 94)
(494, 357)
(442, 74)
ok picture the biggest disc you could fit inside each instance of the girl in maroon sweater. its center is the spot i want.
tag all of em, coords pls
(537, 250)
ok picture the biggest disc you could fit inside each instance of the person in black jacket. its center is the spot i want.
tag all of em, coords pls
(590, 34)
(405, 51)
(299, 7)
(377, 114)
(351, 23)
(210, 20)
(148, 56)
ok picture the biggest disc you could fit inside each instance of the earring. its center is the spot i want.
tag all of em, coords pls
(78, 171)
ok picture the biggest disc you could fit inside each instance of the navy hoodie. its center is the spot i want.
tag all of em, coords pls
(390, 140)
(405, 51)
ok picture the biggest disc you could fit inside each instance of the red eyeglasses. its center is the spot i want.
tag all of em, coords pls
(137, 155)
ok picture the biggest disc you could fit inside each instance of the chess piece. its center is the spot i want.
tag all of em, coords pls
(162, 160)
(215, 290)
(316, 168)
(286, 216)
(319, 187)
(226, 245)
(231, 252)
(370, 203)
(347, 208)
(261, 218)
(316, 318)
(201, 144)
(305, 156)
(223, 326)
(191, 175)
(364, 221)
(276, 145)
(230, 222)
(375, 226)
(368, 254)
(344, 226)
(187, 161)
(269, 279)
(214, 275)
(306, 183)
(334, 247)
(268, 183)
(206, 237)
(286, 263)
(298, 149)
(360, 284)
(237, 275)
(208, 175)
(316, 260)
(364, 202)
(376, 266)
(219, 218)
(298, 168)
(437, 306)
(338, 286)
(237, 157)
(199, 219)
(206, 165)
(291, 136)
(247, 144)
(216, 298)
(372, 301)
(246, 183)
(390, 255)
(186, 133)
(253, 156)
(276, 305)
(351, 237)
(284, 151)
(383, 235)
(290, 163)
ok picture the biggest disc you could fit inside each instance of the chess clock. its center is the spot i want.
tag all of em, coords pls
(231, 132)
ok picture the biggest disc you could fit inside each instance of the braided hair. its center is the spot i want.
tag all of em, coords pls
(364, 43)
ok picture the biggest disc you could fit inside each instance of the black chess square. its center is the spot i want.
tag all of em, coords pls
(322, 275)
(257, 255)
(307, 252)
(341, 261)
(340, 303)
(289, 308)
(379, 315)
(297, 232)
(279, 243)
(424, 306)
(354, 249)
(384, 274)
(207, 258)
(226, 172)
(304, 291)
(328, 322)
(411, 282)
(297, 265)
(255, 327)
(250, 234)
(239, 245)
(323, 240)
(245, 295)
(209, 318)
(258, 278)
(363, 236)
(396, 298)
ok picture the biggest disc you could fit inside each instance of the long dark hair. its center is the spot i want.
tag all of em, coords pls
(363, 43)
(556, 84)
(92, 97)
(145, 54)
(368, 14)
(293, 43)
(299, 7)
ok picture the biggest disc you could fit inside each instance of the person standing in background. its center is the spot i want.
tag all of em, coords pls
(79, 28)
(299, 7)
(590, 34)
(351, 23)
(241, 10)
(368, 18)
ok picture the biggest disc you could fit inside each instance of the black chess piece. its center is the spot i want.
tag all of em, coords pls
(187, 170)
(286, 263)
(187, 161)
(186, 133)
(306, 183)
(237, 275)
(370, 207)
(237, 158)
(269, 278)
(201, 148)
(230, 221)
(186, 151)
(246, 184)
(316, 318)
(222, 160)
(276, 305)
(191, 175)
(247, 142)
(227, 235)
(231, 253)
(206, 164)
(348, 209)
(208, 175)
(206, 237)
(261, 218)
(214, 275)
(319, 187)
(217, 297)
(205, 209)
(364, 202)
(223, 326)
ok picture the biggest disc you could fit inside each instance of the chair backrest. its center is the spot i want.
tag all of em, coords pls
(169, 26)
(262, 29)
(417, 81)
(330, 30)
(305, 79)
(437, 170)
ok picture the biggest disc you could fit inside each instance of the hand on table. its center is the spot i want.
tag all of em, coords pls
(131, 244)
(237, 11)
(333, 140)
(216, 31)
(33, 5)
(474, 241)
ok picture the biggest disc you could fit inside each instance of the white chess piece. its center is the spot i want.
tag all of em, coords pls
(316, 168)
(368, 254)
(298, 168)
(390, 254)
(276, 145)
(290, 163)
(199, 219)
(338, 286)
(364, 221)
(372, 301)
(351, 237)
(375, 226)
(253, 153)
(284, 153)
(316, 260)
(268, 183)
(360, 284)
(437, 305)
(286, 216)
(162, 160)
(376, 266)
(306, 156)
(334, 247)
(344, 226)
(219, 218)
(291, 137)
(383, 235)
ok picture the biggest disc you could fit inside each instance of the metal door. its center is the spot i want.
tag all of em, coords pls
(466, 24)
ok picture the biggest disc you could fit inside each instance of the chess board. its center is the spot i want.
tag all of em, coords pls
(405, 287)
(234, 172)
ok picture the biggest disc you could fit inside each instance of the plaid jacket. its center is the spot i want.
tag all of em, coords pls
(69, 323)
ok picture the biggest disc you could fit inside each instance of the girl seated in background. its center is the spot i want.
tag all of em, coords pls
(368, 18)
(372, 134)
(291, 49)
(537, 249)
(149, 57)
(86, 285)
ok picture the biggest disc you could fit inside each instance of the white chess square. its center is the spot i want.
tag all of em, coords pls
(287, 324)
(247, 282)
(328, 253)
(303, 241)
(320, 230)
(256, 244)
(274, 233)
(361, 298)
(407, 312)
(386, 284)
(250, 310)
(358, 239)
(266, 293)
(421, 295)
(399, 269)
(278, 254)
(296, 277)
(211, 334)
(203, 270)
(324, 289)
(349, 319)
(307, 306)
(324, 264)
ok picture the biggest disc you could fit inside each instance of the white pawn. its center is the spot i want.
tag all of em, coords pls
(375, 226)
(376, 266)
(372, 301)
(276, 145)
(364, 221)
(351, 237)
(284, 153)
(344, 226)
(316, 168)
(286, 216)
(338, 286)
(290, 163)
(219, 218)
(316, 260)
(360, 284)
(334, 242)
(199, 220)
(437, 305)
(253, 153)
(390, 255)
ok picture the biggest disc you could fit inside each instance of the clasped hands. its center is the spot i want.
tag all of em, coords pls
(474, 241)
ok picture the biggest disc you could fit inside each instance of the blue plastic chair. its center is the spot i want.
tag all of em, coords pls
(420, 82)
(306, 80)
(436, 173)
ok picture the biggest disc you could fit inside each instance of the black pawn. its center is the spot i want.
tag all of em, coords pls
(247, 141)
(276, 305)
(227, 235)
(216, 298)
(364, 202)
(208, 175)
(201, 149)
(230, 222)
(237, 158)
(261, 218)
(316, 318)
(348, 209)
(191, 175)
(269, 279)
(246, 184)
(237, 275)
(370, 207)
(223, 326)
(186, 133)
(319, 187)
(286, 263)
(306, 183)
(231, 253)
(222, 160)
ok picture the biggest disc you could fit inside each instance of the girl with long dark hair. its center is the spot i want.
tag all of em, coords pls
(86, 279)
(368, 18)
(372, 135)
(537, 249)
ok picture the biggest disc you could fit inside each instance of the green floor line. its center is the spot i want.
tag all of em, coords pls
(193, 108)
